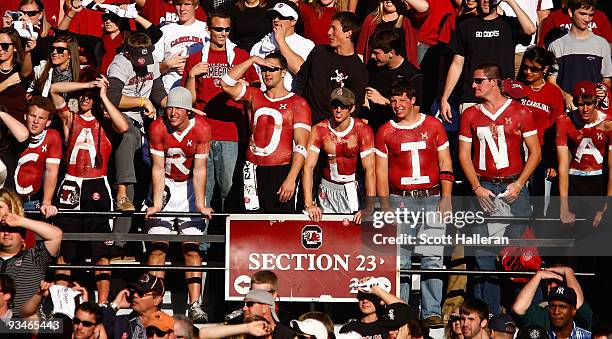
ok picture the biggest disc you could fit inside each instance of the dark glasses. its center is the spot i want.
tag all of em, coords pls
(454, 318)
(5, 45)
(31, 13)
(270, 69)
(220, 29)
(151, 331)
(479, 81)
(533, 69)
(85, 323)
(58, 49)
(250, 303)
(110, 17)
(278, 16)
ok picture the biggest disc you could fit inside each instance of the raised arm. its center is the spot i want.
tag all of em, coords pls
(120, 124)
(525, 296)
(526, 25)
(17, 129)
(230, 83)
(51, 235)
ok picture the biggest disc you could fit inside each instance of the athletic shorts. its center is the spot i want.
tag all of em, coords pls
(178, 197)
(87, 195)
(338, 198)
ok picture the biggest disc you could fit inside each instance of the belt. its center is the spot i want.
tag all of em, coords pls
(424, 193)
(499, 180)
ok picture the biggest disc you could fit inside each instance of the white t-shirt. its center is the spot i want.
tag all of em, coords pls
(267, 45)
(179, 39)
(530, 7)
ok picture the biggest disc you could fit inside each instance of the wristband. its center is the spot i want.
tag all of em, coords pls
(307, 206)
(301, 150)
(447, 175)
(71, 17)
(142, 102)
(518, 184)
(229, 80)
(477, 187)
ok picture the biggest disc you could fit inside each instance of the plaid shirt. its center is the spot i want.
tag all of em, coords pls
(577, 333)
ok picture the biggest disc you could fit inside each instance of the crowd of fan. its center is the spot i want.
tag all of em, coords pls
(182, 106)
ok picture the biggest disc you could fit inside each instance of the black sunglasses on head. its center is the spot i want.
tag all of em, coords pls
(85, 323)
(58, 49)
(5, 45)
(220, 29)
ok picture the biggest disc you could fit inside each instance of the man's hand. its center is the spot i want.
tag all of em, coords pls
(43, 288)
(12, 80)
(151, 211)
(551, 173)
(82, 290)
(258, 328)
(445, 110)
(567, 217)
(286, 190)
(512, 192)
(279, 33)
(599, 215)
(569, 101)
(30, 45)
(149, 109)
(445, 206)
(365, 212)
(48, 210)
(374, 96)
(314, 212)
(561, 271)
(206, 212)
(12, 220)
(121, 300)
(199, 69)
(484, 198)
(177, 62)
(261, 61)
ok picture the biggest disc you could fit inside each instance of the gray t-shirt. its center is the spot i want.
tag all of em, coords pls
(134, 86)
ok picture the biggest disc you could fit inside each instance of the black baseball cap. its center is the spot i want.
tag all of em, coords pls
(396, 315)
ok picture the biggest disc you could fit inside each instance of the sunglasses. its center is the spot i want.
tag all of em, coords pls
(220, 29)
(250, 303)
(454, 318)
(269, 69)
(281, 17)
(31, 13)
(479, 81)
(109, 17)
(533, 69)
(5, 45)
(85, 323)
(57, 49)
(154, 331)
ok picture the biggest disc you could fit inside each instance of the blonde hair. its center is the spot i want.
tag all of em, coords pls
(45, 26)
(13, 201)
(379, 12)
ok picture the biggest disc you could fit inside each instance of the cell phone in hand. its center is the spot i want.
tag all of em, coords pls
(14, 15)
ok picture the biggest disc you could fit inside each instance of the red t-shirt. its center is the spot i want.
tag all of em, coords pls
(90, 22)
(223, 114)
(83, 147)
(412, 152)
(587, 145)
(43, 149)
(546, 105)
(500, 137)
(180, 149)
(560, 19)
(431, 27)
(342, 149)
(162, 11)
(315, 28)
(272, 122)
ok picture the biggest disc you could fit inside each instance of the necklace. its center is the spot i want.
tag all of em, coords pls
(6, 71)
(539, 88)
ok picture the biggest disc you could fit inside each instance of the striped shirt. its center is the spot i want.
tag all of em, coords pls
(577, 333)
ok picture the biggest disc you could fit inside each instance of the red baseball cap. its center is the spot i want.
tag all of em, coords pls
(513, 88)
(585, 88)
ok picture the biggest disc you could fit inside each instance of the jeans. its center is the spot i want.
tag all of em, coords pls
(220, 169)
(488, 289)
(431, 287)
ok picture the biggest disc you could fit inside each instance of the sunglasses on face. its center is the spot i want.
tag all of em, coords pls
(58, 49)
(250, 303)
(154, 331)
(454, 318)
(479, 81)
(270, 69)
(220, 29)
(85, 323)
(31, 13)
(281, 17)
(109, 17)
(5, 45)
(533, 69)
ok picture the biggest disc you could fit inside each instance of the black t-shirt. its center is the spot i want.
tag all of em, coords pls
(325, 70)
(250, 25)
(480, 41)
(367, 330)
(283, 332)
(381, 79)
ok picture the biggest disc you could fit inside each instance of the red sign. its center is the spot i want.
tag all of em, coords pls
(314, 261)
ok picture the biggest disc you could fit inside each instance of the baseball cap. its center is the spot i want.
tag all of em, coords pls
(162, 321)
(502, 323)
(180, 97)
(286, 10)
(513, 89)
(563, 293)
(396, 315)
(149, 283)
(140, 56)
(344, 95)
(584, 88)
(532, 332)
(311, 327)
(262, 297)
